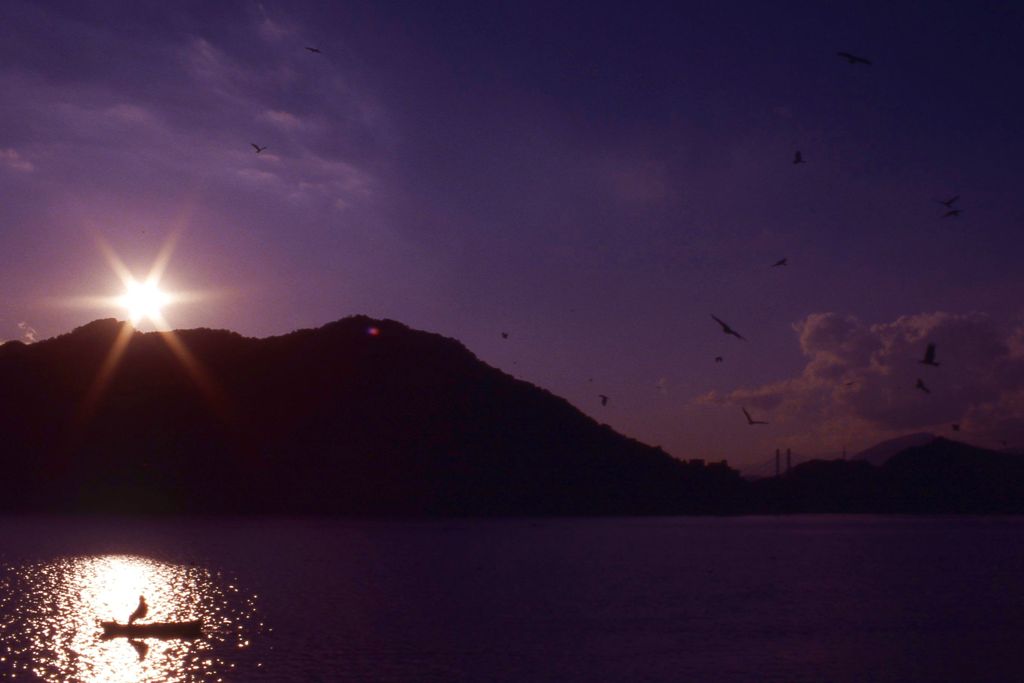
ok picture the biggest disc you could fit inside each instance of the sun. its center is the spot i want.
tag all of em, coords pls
(144, 300)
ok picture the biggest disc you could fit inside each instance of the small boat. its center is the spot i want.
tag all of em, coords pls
(156, 629)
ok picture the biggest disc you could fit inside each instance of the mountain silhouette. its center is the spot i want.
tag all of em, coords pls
(951, 477)
(360, 416)
(370, 417)
(938, 477)
(882, 451)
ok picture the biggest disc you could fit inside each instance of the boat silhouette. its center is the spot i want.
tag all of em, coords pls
(157, 629)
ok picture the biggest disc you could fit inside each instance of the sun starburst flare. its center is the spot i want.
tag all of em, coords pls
(144, 301)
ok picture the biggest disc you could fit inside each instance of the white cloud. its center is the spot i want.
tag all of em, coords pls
(860, 379)
(28, 333)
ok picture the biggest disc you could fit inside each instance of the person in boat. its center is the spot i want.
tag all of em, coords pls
(140, 611)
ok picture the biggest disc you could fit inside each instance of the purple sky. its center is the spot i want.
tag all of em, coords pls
(596, 181)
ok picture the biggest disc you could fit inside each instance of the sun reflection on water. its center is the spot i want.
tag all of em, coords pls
(50, 614)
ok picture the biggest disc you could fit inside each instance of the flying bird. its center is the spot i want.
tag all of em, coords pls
(920, 385)
(504, 335)
(956, 428)
(849, 384)
(604, 399)
(257, 147)
(952, 212)
(718, 359)
(948, 203)
(728, 330)
(799, 158)
(780, 262)
(929, 357)
(750, 420)
(314, 50)
(854, 59)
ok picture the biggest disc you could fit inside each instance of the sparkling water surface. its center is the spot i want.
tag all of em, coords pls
(801, 598)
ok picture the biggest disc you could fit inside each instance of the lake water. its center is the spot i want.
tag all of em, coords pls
(813, 598)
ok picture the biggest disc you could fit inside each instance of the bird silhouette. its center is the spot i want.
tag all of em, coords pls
(257, 147)
(929, 357)
(920, 385)
(780, 262)
(948, 203)
(853, 59)
(728, 330)
(849, 384)
(314, 50)
(799, 158)
(952, 212)
(604, 399)
(718, 359)
(956, 428)
(750, 420)
(504, 335)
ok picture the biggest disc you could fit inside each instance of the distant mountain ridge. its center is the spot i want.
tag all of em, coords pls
(360, 416)
(881, 452)
(877, 454)
(940, 476)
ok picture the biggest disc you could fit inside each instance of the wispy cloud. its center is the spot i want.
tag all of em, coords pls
(233, 99)
(132, 114)
(270, 30)
(282, 119)
(216, 72)
(13, 160)
(255, 175)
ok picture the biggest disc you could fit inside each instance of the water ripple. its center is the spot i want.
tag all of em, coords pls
(50, 614)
